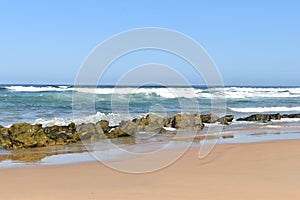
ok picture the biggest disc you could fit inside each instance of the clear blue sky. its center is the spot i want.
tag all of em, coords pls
(252, 42)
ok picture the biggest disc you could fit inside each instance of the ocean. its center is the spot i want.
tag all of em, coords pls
(53, 104)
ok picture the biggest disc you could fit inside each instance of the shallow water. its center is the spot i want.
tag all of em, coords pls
(145, 143)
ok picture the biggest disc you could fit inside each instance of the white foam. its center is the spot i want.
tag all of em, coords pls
(175, 92)
(169, 129)
(264, 109)
(160, 92)
(248, 92)
(245, 92)
(37, 89)
(113, 119)
(274, 126)
(287, 120)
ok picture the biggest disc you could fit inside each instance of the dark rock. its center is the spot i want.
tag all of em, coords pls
(86, 131)
(261, 117)
(162, 131)
(226, 119)
(185, 121)
(62, 134)
(90, 131)
(154, 123)
(5, 141)
(154, 119)
(117, 132)
(290, 116)
(209, 118)
(21, 128)
(104, 125)
(150, 123)
(129, 127)
(275, 116)
(70, 129)
(24, 135)
(4, 131)
(166, 131)
(227, 136)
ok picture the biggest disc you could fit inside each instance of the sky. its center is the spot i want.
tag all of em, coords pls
(251, 42)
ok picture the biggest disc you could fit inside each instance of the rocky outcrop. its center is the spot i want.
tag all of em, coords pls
(117, 132)
(209, 118)
(156, 124)
(92, 131)
(150, 123)
(291, 116)
(261, 117)
(24, 135)
(185, 121)
(226, 119)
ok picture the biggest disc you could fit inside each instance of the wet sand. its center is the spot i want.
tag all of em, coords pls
(268, 170)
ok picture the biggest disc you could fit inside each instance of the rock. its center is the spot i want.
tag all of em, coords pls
(62, 134)
(24, 135)
(104, 125)
(166, 130)
(70, 129)
(162, 131)
(154, 119)
(209, 118)
(150, 123)
(290, 116)
(4, 131)
(261, 117)
(154, 123)
(86, 131)
(226, 119)
(90, 131)
(129, 127)
(185, 121)
(21, 128)
(227, 136)
(5, 141)
(117, 132)
(275, 116)
(173, 122)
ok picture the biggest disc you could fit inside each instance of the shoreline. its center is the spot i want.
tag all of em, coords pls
(230, 171)
(79, 153)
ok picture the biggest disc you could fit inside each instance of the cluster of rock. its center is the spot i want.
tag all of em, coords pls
(261, 117)
(268, 117)
(24, 135)
(157, 124)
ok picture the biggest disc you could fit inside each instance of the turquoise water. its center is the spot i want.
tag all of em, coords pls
(53, 104)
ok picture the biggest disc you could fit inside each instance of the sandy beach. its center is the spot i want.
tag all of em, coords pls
(268, 170)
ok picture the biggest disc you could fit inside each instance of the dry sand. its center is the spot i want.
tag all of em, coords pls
(268, 170)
